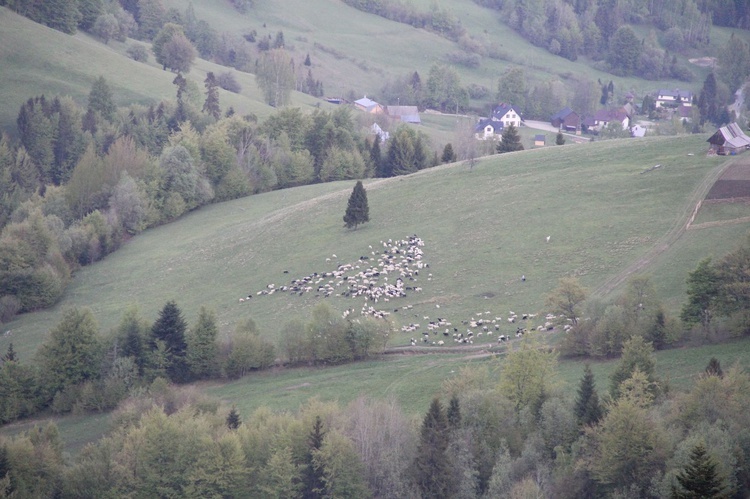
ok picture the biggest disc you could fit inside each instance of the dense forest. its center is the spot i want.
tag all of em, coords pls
(519, 436)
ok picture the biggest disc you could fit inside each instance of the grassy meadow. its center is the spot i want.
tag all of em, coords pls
(483, 228)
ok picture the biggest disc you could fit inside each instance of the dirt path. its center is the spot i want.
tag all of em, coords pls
(681, 224)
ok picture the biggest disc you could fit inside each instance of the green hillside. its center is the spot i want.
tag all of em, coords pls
(39, 60)
(483, 228)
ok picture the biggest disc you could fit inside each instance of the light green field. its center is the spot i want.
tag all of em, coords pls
(483, 229)
(722, 212)
(38, 60)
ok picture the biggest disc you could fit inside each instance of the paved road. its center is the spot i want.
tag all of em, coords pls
(540, 125)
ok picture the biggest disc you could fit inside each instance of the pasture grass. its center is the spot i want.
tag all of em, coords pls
(722, 212)
(483, 228)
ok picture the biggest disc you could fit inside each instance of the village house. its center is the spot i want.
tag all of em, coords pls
(368, 105)
(487, 128)
(567, 120)
(604, 117)
(405, 114)
(729, 139)
(507, 114)
(674, 98)
(491, 128)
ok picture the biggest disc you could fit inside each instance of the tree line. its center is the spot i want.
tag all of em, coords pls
(80, 181)
(717, 307)
(515, 434)
(80, 369)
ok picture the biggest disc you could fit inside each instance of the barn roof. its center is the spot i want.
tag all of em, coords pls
(730, 135)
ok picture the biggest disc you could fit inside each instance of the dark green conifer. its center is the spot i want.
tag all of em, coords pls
(510, 140)
(313, 484)
(170, 328)
(560, 139)
(712, 369)
(432, 467)
(454, 412)
(448, 155)
(700, 479)
(587, 408)
(211, 105)
(357, 210)
(233, 419)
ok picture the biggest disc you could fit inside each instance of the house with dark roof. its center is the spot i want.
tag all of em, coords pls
(566, 119)
(368, 105)
(540, 140)
(604, 117)
(488, 128)
(507, 114)
(674, 98)
(405, 114)
(729, 139)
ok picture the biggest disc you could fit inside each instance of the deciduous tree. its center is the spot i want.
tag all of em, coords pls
(567, 298)
(71, 353)
(275, 76)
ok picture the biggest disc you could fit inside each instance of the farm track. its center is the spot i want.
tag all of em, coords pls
(681, 224)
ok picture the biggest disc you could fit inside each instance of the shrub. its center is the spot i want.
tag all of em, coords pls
(138, 53)
(9, 307)
(228, 82)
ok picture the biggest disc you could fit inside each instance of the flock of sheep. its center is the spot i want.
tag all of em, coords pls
(390, 272)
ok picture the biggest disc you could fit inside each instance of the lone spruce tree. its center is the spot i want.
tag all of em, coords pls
(510, 140)
(431, 468)
(357, 211)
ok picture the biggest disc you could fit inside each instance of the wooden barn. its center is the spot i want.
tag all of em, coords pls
(729, 139)
(540, 140)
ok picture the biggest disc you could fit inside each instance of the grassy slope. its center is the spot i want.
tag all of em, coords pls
(372, 49)
(38, 60)
(483, 228)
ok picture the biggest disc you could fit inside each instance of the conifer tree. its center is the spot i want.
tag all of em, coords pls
(233, 419)
(700, 479)
(202, 351)
(560, 139)
(211, 106)
(170, 328)
(130, 331)
(587, 408)
(712, 369)
(357, 210)
(10, 355)
(101, 99)
(448, 155)
(454, 412)
(313, 484)
(307, 60)
(432, 467)
(510, 140)
(376, 157)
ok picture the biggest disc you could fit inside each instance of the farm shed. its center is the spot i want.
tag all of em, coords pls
(567, 119)
(405, 114)
(368, 105)
(540, 140)
(729, 139)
